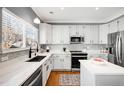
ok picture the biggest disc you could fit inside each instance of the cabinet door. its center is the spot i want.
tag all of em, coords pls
(103, 32)
(80, 30)
(87, 34)
(67, 62)
(49, 34)
(44, 74)
(42, 31)
(51, 62)
(45, 33)
(73, 30)
(113, 26)
(57, 62)
(76, 30)
(56, 34)
(94, 33)
(64, 34)
(121, 24)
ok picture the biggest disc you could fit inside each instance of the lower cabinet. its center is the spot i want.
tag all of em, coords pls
(56, 62)
(62, 62)
(46, 68)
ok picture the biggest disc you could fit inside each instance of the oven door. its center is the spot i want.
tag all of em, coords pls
(75, 61)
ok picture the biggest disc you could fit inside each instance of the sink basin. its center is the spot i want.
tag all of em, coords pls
(36, 59)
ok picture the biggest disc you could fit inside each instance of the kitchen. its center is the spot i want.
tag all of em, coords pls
(44, 46)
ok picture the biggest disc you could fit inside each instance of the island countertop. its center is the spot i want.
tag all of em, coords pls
(102, 69)
(94, 73)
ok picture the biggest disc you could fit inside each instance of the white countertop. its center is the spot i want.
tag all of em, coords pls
(16, 71)
(61, 52)
(102, 69)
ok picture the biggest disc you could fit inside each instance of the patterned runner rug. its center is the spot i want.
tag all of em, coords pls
(69, 80)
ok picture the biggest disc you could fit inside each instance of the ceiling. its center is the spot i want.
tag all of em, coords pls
(78, 14)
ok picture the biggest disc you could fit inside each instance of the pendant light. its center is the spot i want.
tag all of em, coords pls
(37, 20)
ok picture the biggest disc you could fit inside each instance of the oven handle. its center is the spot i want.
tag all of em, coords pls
(79, 56)
(35, 79)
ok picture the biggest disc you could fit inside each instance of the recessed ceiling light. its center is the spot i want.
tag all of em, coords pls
(62, 8)
(97, 8)
(51, 12)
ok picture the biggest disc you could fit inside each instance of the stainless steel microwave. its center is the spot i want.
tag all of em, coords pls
(76, 39)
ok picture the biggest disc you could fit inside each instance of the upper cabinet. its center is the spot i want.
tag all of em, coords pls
(121, 24)
(113, 27)
(45, 32)
(60, 34)
(94, 29)
(76, 30)
(103, 32)
(87, 34)
(91, 34)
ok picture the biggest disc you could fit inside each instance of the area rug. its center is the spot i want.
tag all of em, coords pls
(69, 80)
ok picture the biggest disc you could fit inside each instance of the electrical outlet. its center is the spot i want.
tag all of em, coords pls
(4, 58)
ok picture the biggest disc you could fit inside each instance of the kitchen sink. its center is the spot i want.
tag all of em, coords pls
(36, 59)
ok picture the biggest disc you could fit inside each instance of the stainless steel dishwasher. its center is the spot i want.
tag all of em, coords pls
(35, 79)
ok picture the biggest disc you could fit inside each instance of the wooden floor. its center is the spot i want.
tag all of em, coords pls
(54, 77)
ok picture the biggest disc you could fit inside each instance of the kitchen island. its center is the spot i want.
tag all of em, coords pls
(96, 74)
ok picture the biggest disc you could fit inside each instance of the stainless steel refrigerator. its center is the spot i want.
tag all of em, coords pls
(116, 47)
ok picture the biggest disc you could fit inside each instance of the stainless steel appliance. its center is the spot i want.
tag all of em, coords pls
(75, 57)
(116, 47)
(35, 79)
(76, 39)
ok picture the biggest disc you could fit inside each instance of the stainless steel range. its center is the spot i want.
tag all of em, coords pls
(75, 57)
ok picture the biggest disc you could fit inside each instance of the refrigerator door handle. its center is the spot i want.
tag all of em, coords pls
(119, 45)
(120, 50)
(116, 47)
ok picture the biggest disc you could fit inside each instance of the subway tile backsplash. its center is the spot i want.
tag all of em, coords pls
(76, 46)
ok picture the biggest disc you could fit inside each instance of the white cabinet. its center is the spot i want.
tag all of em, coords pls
(45, 33)
(62, 62)
(46, 70)
(113, 26)
(60, 34)
(103, 32)
(94, 31)
(66, 61)
(56, 34)
(87, 34)
(76, 30)
(91, 33)
(65, 34)
(44, 74)
(51, 62)
(121, 24)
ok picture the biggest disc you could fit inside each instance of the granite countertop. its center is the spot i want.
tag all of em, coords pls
(17, 71)
(102, 69)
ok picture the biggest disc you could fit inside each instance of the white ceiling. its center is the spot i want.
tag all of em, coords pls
(78, 14)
